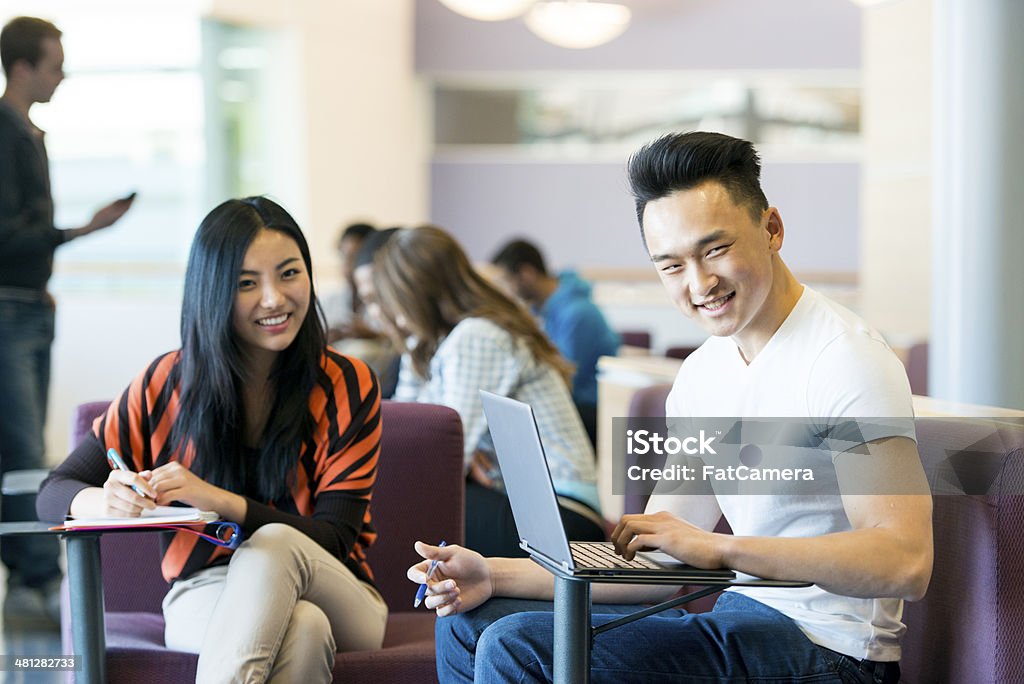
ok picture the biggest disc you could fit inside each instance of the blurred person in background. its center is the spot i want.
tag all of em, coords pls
(570, 318)
(463, 335)
(33, 62)
(384, 356)
(344, 309)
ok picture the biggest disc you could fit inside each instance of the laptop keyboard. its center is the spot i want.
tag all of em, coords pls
(602, 555)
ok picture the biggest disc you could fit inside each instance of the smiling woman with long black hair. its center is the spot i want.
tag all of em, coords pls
(257, 419)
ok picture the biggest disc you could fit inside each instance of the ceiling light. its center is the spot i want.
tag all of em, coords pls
(488, 10)
(578, 23)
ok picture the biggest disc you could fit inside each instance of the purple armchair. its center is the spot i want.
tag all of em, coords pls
(970, 625)
(917, 368)
(636, 338)
(649, 403)
(422, 443)
(646, 403)
(679, 352)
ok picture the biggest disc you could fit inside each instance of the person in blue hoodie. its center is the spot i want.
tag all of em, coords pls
(570, 318)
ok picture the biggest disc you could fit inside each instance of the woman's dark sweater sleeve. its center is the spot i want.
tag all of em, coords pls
(85, 467)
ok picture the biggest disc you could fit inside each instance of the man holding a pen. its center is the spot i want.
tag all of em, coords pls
(777, 348)
(33, 60)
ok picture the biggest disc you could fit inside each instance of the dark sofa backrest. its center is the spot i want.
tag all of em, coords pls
(970, 625)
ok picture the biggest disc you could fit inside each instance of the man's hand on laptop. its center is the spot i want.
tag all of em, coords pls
(665, 532)
(461, 582)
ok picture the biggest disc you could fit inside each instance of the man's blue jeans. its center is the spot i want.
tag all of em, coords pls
(742, 640)
(26, 334)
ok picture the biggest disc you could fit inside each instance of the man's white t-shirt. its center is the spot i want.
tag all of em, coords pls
(823, 362)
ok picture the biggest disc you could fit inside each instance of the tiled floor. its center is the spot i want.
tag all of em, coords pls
(28, 640)
(31, 642)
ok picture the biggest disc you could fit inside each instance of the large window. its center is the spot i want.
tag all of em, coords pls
(585, 113)
(160, 101)
(128, 118)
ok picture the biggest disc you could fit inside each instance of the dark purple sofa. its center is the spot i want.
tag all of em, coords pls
(969, 627)
(418, 495)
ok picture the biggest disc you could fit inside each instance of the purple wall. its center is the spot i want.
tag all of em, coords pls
(582, 214)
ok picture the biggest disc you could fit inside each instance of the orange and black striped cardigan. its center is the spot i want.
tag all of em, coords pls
(330, 497)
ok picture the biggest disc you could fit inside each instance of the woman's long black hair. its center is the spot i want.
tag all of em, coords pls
(212, 369)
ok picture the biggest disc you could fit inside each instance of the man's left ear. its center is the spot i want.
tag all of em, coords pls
(776, 231)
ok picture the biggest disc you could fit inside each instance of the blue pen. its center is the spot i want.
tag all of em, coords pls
(422, 591)
(117, 462)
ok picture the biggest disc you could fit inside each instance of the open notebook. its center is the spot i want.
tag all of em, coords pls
(161, 515)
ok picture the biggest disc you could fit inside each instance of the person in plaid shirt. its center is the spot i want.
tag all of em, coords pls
(463, 335)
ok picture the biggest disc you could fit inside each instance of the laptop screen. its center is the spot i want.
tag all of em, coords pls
(524, 469)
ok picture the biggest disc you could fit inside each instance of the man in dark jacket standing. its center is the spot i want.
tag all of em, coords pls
(33, 61)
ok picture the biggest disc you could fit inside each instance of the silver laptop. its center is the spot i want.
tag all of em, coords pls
(524, 469)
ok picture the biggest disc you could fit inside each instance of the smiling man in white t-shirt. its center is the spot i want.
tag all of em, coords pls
(777, 349)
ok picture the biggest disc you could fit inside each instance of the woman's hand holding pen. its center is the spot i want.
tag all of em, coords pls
(461, 582)
(126, 494)
(174, 482)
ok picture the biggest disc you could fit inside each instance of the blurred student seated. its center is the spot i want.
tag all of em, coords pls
(570, 318)
(349, 329)
(462, 335)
